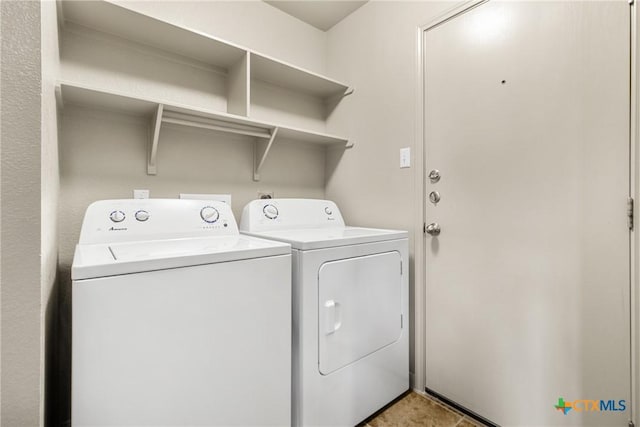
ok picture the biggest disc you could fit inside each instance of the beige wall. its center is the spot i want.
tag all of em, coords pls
(375, 50)
(20, 229)
(103, 156)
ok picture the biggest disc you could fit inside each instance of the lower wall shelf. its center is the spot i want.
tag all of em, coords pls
(158, 112)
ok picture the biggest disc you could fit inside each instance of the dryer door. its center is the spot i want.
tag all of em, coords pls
(359, 308)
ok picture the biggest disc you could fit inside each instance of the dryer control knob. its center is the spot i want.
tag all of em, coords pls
(209, 214)
(142, 216)
(270, 211)
(117, 216)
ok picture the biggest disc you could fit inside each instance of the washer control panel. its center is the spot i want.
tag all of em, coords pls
(125, 220)
(288, 214)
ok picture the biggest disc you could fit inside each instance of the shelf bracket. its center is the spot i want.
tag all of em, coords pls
(260, 152)
(332, 101)
(153, 143)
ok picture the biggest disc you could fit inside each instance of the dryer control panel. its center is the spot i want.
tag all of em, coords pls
(127, 220)
(290, 214)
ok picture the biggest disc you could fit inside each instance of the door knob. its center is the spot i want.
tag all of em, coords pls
(433, 229)
(434, 176)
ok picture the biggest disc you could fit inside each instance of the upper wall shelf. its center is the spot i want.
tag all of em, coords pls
(289, 76)
(116, 20)
(266, 99)
(158, 112)
(119, 21)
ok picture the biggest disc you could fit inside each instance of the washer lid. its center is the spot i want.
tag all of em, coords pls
(99, 260)
(318, 238)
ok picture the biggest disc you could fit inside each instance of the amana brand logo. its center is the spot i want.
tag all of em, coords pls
(118, 229)
(585, 405)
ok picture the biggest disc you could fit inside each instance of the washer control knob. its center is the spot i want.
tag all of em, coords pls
(117, 216)
(209, 214)
(142, 216)
(328, 210)
(270, 211)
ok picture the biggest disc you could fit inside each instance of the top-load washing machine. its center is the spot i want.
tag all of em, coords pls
(350, 309)
(178, 320)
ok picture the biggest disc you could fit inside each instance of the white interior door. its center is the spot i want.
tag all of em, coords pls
(527, 120)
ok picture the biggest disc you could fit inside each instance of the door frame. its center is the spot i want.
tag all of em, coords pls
(418, 380)
(634, 188)
(420, 199)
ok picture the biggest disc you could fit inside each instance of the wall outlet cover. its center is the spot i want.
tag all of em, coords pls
(140, 194)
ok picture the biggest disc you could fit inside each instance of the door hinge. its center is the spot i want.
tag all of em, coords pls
(401, 267)
(424, 228)
(631, 424)
(630, 211)
(401, 321)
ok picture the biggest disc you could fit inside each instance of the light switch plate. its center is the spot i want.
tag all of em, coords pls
(405, 157)
(140, 194)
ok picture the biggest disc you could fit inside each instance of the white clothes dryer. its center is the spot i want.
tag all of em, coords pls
(350, 309)
(178, 319)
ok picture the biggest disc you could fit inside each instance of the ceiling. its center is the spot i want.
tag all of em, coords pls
(322, 14)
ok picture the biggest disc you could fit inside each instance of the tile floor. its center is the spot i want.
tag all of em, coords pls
(417, 410)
